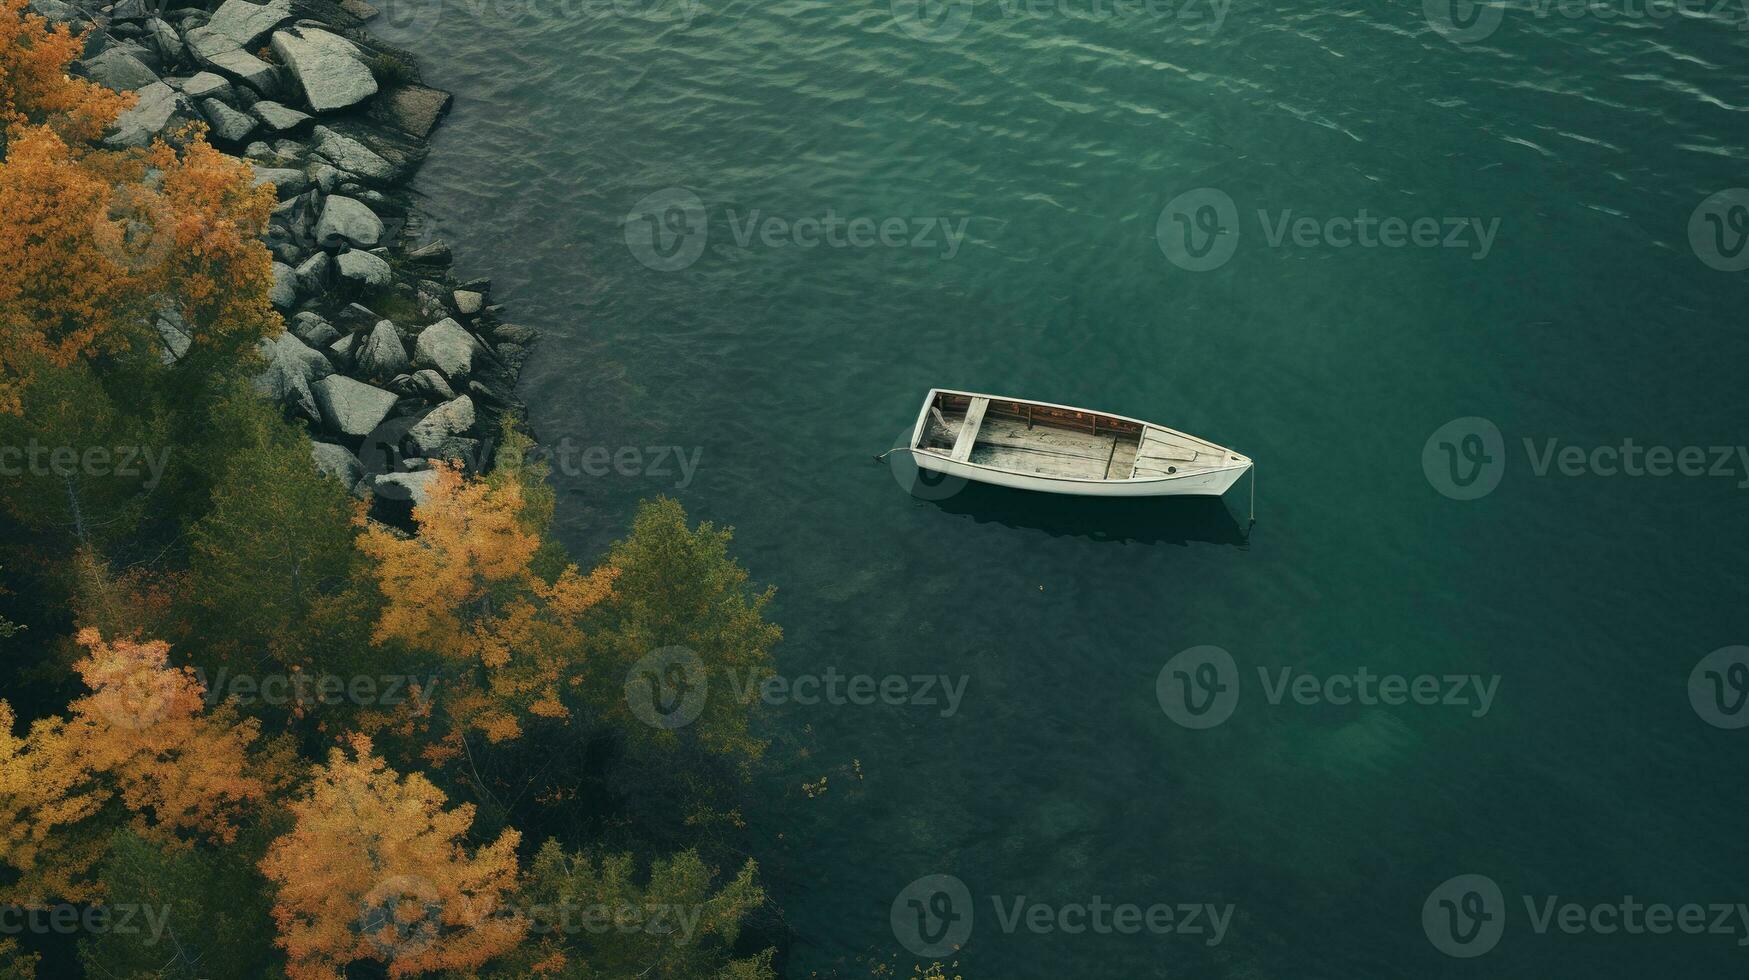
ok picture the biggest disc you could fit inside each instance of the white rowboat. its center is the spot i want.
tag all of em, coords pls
(1032, 445)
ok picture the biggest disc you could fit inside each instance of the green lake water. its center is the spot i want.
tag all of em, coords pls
(1591, 142)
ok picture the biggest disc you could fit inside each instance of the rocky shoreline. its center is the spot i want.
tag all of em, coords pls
(390, 359)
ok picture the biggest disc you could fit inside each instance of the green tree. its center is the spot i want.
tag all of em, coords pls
(192, 913)
(271, 563)
(678, 587)
(595, 920)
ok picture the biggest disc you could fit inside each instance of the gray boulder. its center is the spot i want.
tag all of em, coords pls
(292, 372)
(468, 302)
(337, 462)
(288, 182)
(381, 353)
(447, 347)
(205, 85)
(277, 117)
(56, 11)
(240, 24)
(351, 407)
(364, 268)
(413, 109)
(330, 68)
(414, 486)
(428, 384)
(160, 108)
(314, 331)
(431, 253)
(228, 125)
(118, 69)
(164, 39)
(174, 333)
(313, 273)
(284, 293)
(351, 156)
(350, 220)
(239, 64)
(442, 424)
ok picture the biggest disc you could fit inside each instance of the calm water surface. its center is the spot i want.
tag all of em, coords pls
(1058, 137)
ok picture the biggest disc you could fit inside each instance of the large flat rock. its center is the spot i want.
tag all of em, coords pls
(330, 68)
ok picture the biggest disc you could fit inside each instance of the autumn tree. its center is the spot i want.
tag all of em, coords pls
(35, 89)
(112, 242)
(476, 586)
(375, 869)
(142, 737)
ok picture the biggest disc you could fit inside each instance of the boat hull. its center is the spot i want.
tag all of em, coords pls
(1207, 484)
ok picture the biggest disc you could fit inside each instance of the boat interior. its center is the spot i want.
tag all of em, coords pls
(1045, 440)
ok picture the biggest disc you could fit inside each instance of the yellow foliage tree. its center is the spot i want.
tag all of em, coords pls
(143, 736)
(102, 243)
(466, 588)
(374, 869)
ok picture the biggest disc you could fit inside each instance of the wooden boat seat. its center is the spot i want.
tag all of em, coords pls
(974, 420)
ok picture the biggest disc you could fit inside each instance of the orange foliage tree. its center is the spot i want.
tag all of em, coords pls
(467, 588)
(143, 736)
(102, 242)
(374, 869)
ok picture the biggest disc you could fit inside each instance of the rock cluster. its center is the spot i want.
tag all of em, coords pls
(389, 360)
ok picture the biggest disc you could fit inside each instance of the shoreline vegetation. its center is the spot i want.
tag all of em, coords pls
(247, 432)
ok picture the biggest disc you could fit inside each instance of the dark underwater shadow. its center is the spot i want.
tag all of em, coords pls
(1142, 520)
